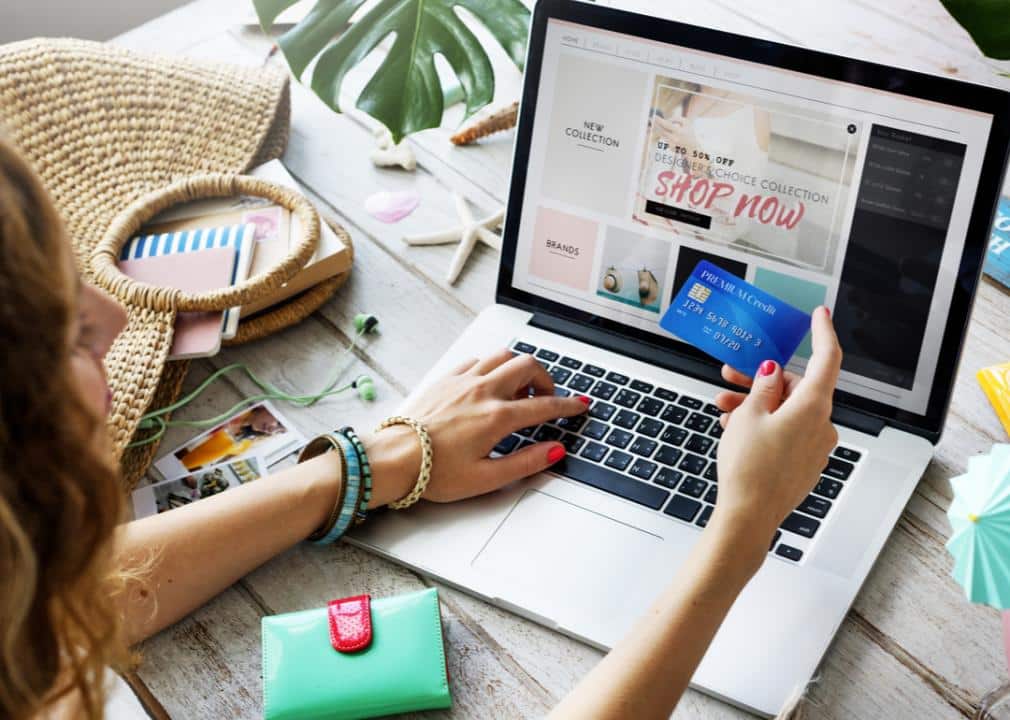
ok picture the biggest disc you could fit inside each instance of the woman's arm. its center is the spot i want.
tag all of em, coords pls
(777, 440)
(184, 557)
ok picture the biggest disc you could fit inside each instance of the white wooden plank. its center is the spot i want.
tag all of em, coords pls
(208, 665)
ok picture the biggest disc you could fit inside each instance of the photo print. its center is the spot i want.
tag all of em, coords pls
(733, 170)
(259, 430)
(168, 494)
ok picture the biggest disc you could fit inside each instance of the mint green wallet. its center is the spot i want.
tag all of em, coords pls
(355, 658)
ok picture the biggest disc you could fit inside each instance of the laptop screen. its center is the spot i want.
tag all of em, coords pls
(646, 157)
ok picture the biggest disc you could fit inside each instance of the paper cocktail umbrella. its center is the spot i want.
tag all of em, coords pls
(980, 518)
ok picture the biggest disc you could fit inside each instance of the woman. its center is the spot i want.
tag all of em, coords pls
(79, 587)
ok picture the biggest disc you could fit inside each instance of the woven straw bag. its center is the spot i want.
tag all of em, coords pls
(118, 136)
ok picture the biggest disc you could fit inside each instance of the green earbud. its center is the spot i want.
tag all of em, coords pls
(364, 323)
(365, 387)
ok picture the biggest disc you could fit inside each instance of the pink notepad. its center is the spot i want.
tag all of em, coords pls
(196, 334)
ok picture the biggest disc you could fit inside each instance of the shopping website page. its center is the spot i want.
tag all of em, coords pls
(647, 158)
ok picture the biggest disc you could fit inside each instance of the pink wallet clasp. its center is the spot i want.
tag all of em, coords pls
(350, 623)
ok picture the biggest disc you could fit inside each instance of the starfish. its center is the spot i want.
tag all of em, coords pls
(467, 233)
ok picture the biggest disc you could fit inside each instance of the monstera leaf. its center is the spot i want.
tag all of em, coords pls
(988, 23)
(405, 93)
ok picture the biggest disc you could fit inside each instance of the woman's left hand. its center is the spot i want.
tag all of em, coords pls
(467, 413)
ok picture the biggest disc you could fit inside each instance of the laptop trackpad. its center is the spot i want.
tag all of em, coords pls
(556, 549)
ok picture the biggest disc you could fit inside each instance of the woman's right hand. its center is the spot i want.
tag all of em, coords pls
(778, 438)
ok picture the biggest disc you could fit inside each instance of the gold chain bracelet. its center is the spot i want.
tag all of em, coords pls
(424, 476)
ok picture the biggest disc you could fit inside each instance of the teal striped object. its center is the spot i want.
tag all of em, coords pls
(997, 260)
(143, 246)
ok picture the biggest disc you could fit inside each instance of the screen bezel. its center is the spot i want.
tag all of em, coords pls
(809, 62)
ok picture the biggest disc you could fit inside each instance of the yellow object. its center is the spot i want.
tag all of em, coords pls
(973, 517)
(995, 382)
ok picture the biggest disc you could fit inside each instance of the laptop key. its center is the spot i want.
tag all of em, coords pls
(699, 444)
(643, 469)
(715, 431)
(816, 506)
(668, 455)
(594, 370)
(640, 386)
(650, 427)
(698, 422)
(627, 398)
(507, 444)
(527, 431)
(690, 402)
(702, 520)
(715, 451)
(626, 419)
(683, 508)
(712, 410)
(524, 347)
(650, 406)
(619, 438)
(616, 377)
(838, 469)
(609, 481)
(674, 414)
(573, 423)
(617, 460)
(594, 451)
(668, 477)
(826, 487)
(571, 363)
(674, 435)
(572, 443)
(664, 394)
(692, 464)
(789, 552)
(602, 411)
(643, 446)
(710, 473)
(695, 487)
(801, 525)
(547, 433)
(603, 390)
(847, 454)
(581, 383)
(595, 430)
(559, 374)
(712, 494)
(561, 392)
(547, 355)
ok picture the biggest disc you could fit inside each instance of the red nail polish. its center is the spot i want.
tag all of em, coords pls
(827, 311)
(555, 453)
(584, 400)
(766, 368)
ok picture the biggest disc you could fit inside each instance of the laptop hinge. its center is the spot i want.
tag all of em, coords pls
(661, 357)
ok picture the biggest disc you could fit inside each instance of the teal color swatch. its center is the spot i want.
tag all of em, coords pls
(801, 294)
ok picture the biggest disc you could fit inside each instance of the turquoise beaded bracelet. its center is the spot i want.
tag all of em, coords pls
(366, 473)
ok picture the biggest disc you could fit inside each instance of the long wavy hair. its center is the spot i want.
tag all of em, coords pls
(60, 497)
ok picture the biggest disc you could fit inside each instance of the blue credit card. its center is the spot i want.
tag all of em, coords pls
(733, 321)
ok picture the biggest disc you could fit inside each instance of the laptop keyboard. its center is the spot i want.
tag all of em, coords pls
(657, 447)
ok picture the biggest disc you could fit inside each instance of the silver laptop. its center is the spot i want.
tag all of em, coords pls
(643, 147)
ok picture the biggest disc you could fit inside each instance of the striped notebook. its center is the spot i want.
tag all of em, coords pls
(238, 236)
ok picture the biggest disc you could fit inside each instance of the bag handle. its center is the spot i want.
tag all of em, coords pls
(196, 187)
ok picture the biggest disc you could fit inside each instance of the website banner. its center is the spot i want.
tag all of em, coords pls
(732, 170)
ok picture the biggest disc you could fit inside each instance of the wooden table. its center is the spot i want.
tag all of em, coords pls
(910, 647)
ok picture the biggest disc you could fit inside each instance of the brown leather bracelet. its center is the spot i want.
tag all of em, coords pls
(316, 447)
